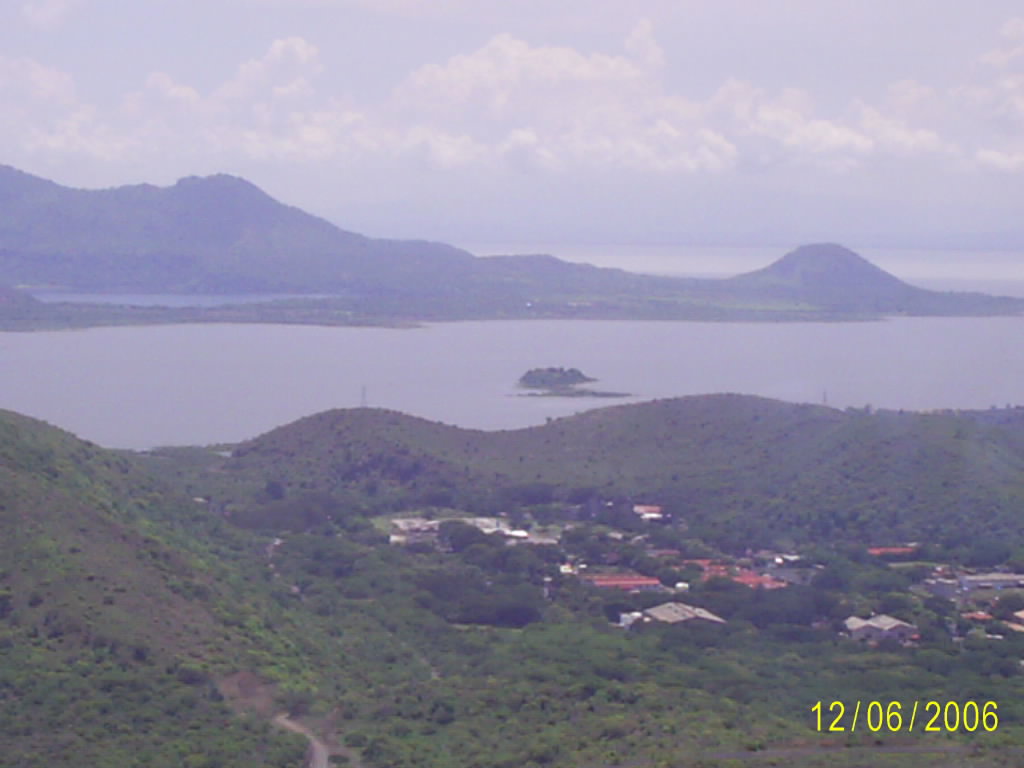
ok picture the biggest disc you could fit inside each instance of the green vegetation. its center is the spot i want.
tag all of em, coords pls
(739, 471)
(115, 617)
(159, 609)
(553, 378)
(561, 382)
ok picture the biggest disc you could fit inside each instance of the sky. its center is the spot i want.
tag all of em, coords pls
(656, 122)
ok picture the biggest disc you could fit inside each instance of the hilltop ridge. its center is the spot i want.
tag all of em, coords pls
(222, 234)
(824, 266)
(738, 468)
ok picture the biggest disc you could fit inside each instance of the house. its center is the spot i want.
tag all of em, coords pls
(757, 580)
(628, 581)
(647, 509)
(483, 524)
(412, 530)
(976, 616)
(891, 551)
(971, 582)
(946, 588)
(677, 613)
(879, 628)
(793, 575)
(669, 555)
(744, 576)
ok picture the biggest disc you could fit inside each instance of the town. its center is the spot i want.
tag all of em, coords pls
(638, 556)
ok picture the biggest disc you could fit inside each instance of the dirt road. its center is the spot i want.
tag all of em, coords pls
(318, 752)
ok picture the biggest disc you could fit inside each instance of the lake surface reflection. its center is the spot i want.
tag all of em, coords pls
(146, 386)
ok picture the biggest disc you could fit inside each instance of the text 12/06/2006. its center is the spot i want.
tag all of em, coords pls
(894, 716)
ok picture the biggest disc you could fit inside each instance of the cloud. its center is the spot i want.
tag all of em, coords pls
(512, 106)
(1002, 161)
(47, 13)
(390, 7)
(556, 109)
(1012, 47)
(24, 81)
(284, 70)
(895, 135)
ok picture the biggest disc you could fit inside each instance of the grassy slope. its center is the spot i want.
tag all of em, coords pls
(741, 470)
(111, 618)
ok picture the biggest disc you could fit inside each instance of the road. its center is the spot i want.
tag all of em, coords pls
(318, 752)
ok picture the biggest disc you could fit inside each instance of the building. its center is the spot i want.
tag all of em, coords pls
(790, 575)
(976, 616)
(744, 576)
(628, 581)
(647, 509)
(677, 613)
(892, 551)
(413, 530)
(879, 628)
(946, 588)
(973, 581)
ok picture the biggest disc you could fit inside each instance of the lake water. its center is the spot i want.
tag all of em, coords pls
(188, 384)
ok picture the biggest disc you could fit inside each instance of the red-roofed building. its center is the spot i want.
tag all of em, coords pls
(755, 580)
(744, 576)
(631, 582)
(977, 616)
(879, 551)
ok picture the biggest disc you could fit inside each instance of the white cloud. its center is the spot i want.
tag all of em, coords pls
(47, 13)
(26, 80)
(555, 108)
(411, 8)
(1012, 47)
(1002, 161)
(897, 136)
(289, 64)
(510, 105)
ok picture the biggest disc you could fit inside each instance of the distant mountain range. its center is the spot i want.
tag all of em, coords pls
(221, 234)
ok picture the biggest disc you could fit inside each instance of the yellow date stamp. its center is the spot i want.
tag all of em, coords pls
(895, 717)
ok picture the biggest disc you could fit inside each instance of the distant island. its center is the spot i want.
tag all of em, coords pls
(561, 382)
(223, 235)
(553, 378)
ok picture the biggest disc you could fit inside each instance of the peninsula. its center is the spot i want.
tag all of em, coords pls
(223, 235)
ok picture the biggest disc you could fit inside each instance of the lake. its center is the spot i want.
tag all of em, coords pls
(197, 384)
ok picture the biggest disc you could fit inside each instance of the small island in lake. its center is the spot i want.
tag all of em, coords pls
(561, 382)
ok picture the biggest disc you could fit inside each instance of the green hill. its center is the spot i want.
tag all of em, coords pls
(129, 610)
(742, 471)
(114, 617)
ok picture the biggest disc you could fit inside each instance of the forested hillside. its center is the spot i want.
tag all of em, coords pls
(741, 471)
(160, 609)
(115, 618)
